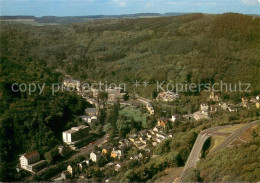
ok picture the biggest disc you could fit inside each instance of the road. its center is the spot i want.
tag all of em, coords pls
(202, 137)
(233, 136)
(80, 153)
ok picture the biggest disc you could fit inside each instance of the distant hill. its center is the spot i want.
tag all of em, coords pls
(198, 48)
(72, 19)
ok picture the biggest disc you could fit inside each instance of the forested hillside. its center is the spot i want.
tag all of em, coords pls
(31, 122)
(195, 48)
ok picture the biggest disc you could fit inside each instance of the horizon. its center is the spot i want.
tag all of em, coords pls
(63, 8)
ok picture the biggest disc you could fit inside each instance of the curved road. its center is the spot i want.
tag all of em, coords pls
(202, 137)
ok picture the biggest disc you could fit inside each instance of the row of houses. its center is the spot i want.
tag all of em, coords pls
(250, 102)
(154, 136)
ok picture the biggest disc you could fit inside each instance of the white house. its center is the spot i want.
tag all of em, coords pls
(75, 133)
(29, 158)
(31, 161)
(257, 97)
(95, 156)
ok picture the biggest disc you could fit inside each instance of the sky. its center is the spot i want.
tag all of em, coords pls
(117, 7)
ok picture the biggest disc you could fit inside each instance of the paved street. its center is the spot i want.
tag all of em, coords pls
(202, 137)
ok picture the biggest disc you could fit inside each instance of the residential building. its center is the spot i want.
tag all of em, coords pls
(31, 161)
(29, 158)
(116, 153)
(213, 97)
(162, 122)
(167, 96)
(95, 156)
(95, 93)
(65, 175)
(204, 108)
(258, 97)
(71, 169)
(132, 137)
(223, 106)
(82, 165)
(72, 84)
(257, 105)
(244, 102)
(74, 134)
(117, 167)
(92, 111)
(199, 115)
(149, 107)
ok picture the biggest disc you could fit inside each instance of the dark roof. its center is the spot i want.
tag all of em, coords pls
(91, 110)
(31, 154)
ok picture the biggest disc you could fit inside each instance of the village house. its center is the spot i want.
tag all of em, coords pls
(64, 150)
(71, 169)
(159, 139)
(72, 84)
(161, 134)
(204, 108)
(142, 139)
(115, 93)
(92, 111)
(162, 122)
(223, 106)
(253, 100)
(175, 117)
(117, 167)
(231, 108)
(257, 105)
(199, 115)
(95, 92)
(258, 97)
(65, 175)
(95, 156)
(214, 97)
(31, 161)
(149, 108)
(116, 153)
(106, 148)
(244, 102)
(167, 96)
(213, 108)
(89, 119)
(132, 137)
(74, 134)
(82, 165)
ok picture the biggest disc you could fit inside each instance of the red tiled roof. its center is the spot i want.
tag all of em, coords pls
(30, 154)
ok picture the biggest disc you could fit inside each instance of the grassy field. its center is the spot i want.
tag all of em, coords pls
(217, 140)
(232, 128)
(135, 113)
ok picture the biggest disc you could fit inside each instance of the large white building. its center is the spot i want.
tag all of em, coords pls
(74, 134)
(29, 158)
(31, 161)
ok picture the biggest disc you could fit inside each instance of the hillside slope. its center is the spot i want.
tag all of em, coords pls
(195, 48)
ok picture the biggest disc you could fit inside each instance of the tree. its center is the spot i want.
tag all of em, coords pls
(52, 156)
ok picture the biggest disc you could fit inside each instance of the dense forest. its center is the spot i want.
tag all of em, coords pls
(31, 122)
(196, 48)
